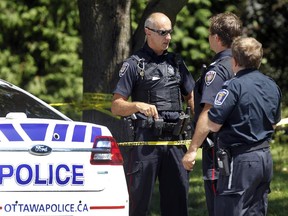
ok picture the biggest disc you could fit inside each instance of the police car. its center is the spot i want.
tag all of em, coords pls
(51, 165)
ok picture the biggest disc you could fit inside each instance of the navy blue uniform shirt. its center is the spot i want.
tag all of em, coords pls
(246, 107)
(205, 91)
(129, 75)
(211, 81)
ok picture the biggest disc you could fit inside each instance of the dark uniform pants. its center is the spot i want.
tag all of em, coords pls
(245, 191)
(210, 193)
(147, 163)
(210, 176)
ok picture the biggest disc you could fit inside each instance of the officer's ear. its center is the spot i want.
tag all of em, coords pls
(233, 61)
(147, 32)
(218, 39)
(234, 65)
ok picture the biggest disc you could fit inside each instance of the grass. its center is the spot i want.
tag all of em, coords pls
(278, 198)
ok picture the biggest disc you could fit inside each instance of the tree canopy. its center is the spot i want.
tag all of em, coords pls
(41, 48)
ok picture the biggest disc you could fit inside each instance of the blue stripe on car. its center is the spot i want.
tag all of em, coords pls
(40, 130)
(9, 131)
(61, 130)
(95, 132)
(79, 133)
(37, 132)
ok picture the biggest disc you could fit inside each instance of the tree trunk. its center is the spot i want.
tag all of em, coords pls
(105, 29)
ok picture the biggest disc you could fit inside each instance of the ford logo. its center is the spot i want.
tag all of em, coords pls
(40, 150)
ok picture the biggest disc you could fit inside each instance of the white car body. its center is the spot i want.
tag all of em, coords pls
(58, 166)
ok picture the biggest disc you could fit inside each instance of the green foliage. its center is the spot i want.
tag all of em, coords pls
(278, 205)
(267, 21)
(281, 132)
(281, 135)
(191, 36)
(191, 32)
(137, 9)
(40, 43)
(40, 48)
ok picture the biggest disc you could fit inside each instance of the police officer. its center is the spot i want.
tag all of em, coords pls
(224, 27)
(157, 82)
(245, 113)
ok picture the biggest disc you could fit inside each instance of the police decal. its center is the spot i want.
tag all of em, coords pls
(123, 69)
(170, 70)
(209, 77)
(221, 96)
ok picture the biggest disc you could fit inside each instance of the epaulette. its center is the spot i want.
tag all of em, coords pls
(227, 82)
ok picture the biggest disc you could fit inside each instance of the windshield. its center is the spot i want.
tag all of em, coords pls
(12, 100)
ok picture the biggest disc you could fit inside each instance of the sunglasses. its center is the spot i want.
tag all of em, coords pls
(161, 32)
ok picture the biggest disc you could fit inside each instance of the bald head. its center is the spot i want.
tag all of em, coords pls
(158, 31)
(156, 19)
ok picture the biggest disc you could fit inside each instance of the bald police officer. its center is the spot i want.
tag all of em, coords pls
(157, 81)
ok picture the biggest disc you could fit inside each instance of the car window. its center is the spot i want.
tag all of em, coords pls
(12, 100)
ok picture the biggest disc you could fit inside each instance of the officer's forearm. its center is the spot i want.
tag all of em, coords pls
(123, 108)
(199, 136)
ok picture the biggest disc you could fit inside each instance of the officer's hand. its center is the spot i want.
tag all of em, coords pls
(147, 109)
(188, 160)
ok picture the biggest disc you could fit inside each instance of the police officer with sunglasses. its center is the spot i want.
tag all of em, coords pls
(158, 83)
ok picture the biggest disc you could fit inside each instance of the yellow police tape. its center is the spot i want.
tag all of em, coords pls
(91, 101)
(178, 142)
(97, 101)
(97, 98)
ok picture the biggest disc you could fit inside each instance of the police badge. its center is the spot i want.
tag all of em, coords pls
(170, 70)
(221, 96)
(123, 69)
(209, 77)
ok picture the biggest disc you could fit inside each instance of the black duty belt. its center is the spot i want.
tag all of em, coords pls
(167, 126)
(247, 148)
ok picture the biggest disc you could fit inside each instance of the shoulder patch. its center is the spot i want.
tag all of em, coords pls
(209, 77)
(221, 96)
(123, 69)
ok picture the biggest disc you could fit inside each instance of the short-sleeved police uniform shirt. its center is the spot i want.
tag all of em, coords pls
(205, 91)
(211, 80)
(246, 107)
(130, 77)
